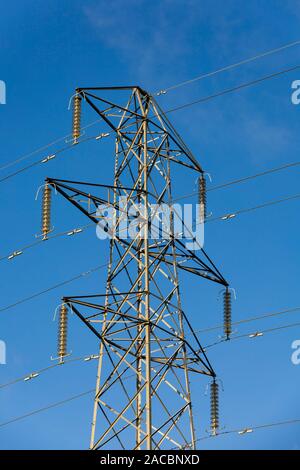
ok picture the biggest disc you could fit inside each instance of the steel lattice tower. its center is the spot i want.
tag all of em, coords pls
(143, 397)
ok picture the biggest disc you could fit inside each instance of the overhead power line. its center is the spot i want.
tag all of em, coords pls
(242, 179)
(223, 69)
(30, 154)
(146, 291)
(87, 358)
(232, 215)
(251, 429)
(251, 319)
(44, 147)
(45, 159)
(256, 175)
(253, 334)
(51, 406)
(172, 110)
(239, 431)
(228, 216)
(48, 407)
(229, 67)
(233, 89)
(55, 286)
(267, 330)
(37, 372)
(20, 251)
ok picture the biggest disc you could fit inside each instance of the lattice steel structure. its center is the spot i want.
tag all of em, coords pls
(143, 396)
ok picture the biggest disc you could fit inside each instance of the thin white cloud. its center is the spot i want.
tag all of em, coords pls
(153, 38)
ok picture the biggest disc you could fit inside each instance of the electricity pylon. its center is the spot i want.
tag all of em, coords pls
(143, 397)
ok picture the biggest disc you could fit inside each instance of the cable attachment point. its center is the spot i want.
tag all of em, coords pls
(74, 231)
(102, 135)
(257, 334)
(228, 216)
(48, 158)
(14, 254)
(31, 376)
(245, 431)
(161, 92)
(91, 357)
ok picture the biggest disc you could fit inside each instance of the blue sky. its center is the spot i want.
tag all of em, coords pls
(47, 49)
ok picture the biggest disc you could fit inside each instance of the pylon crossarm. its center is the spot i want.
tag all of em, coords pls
(105, 310)
(96, 200)
(207, 370)
(196, 355)
(164, 123)
(114, 105)
(204, 271)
